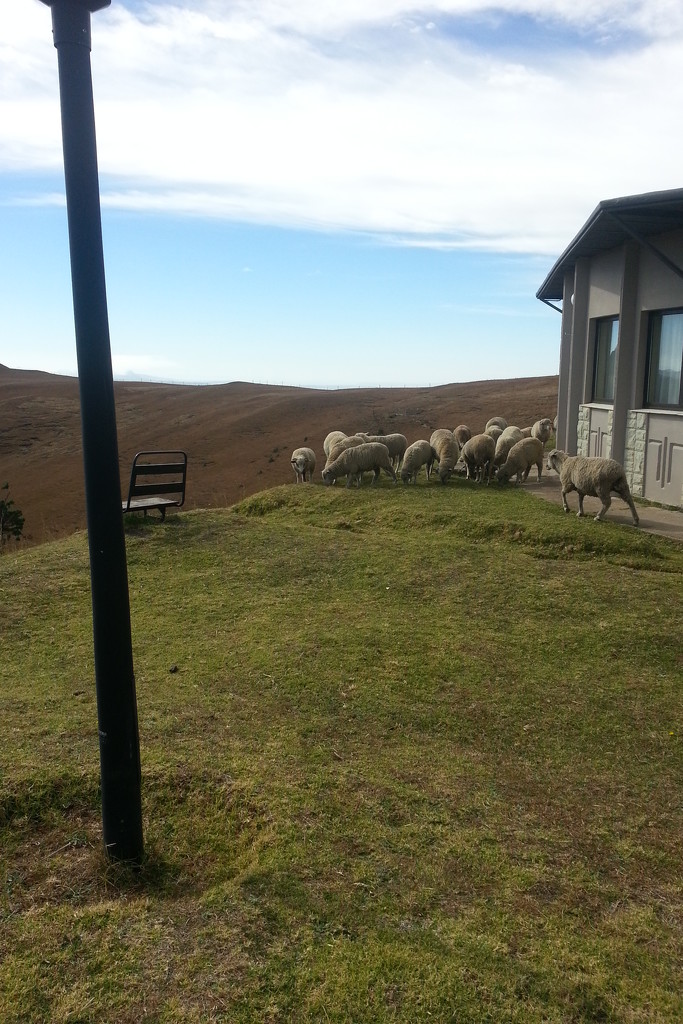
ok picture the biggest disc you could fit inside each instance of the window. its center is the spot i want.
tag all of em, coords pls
(606, 338)
(665, 360)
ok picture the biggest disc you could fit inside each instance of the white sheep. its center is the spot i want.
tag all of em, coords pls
(542, 429)
(462, 433)
(331, 439)
(353, 462)
(522, 456)
(478, 454)
(417, 454)
(396, 443)
(494, 431)
(590, 475)
(496, 421)
(446, 451)
(510, 436)
(341, 445)
(303, 464)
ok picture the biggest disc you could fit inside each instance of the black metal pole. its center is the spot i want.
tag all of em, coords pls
(114, 678)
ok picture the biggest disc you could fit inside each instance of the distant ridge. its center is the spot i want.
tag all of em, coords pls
(238, 436)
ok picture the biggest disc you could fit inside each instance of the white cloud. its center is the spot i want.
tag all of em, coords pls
(340, 116)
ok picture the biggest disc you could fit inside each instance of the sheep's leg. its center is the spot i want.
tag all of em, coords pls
(606, 502)
(565, 506)
(539, 467)
(625, 495)
(580, 512)
(636, 519)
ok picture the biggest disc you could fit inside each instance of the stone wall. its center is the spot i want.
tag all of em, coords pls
(634, 451)
(583, 430)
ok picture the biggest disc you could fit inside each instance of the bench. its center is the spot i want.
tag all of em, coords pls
(157, 480)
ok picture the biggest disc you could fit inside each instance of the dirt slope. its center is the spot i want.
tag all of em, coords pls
(239, 437)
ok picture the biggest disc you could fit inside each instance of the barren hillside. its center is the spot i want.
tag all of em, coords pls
(239, 437)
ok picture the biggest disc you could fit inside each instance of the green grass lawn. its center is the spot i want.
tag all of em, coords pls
(420, 761)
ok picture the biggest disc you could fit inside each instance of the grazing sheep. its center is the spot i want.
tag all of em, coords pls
(526, 431)
(331, 440)
(542, 429)
(522, 456)
(340, 446)
(353, 462)
(496, 421)
(396, 443)
(478, 454)
(462, 433)
(417, 454)
(494, 431)
(446, 451)
(589, 475)
(303, 464)
(509, 437)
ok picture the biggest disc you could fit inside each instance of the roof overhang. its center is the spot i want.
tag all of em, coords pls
(612, 223)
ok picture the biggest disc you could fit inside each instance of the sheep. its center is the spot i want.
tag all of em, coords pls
(340, 446)
(542, 429)
(417, 454)
(496, 421)
(396, 443)
(494, 431)
(510, 436)
(478, 454)
(353, 462)
(462, 433)
(522, 456)
(590, 475)
(331, 439)
(303, 463)
(446, 450)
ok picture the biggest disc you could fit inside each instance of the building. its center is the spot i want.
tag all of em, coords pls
(620, 285)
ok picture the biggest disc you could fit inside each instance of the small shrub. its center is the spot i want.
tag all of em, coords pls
(11, 519)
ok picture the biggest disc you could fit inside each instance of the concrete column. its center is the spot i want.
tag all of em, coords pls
(577, 361)
(629, 322)
(565, 359)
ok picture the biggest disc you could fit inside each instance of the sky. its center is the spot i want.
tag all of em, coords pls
(327, 194)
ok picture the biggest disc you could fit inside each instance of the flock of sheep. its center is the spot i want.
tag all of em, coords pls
(501, 452)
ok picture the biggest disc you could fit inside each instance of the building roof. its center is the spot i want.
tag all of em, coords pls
(612, 222)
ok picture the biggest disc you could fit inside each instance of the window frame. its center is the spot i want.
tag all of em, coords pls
(599, 397)
(653, 316)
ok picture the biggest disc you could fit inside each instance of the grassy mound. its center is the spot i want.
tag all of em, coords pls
(418, 759)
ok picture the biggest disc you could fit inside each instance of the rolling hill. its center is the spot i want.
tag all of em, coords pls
(238, 436)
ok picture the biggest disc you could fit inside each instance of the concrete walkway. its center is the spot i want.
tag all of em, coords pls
(665, 522)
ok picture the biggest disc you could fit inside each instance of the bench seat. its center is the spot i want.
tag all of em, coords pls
(157, 481)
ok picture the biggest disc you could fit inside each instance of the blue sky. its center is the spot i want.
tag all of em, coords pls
(327, 194)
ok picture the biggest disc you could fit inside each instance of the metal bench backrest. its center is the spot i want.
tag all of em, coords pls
(157, 464)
